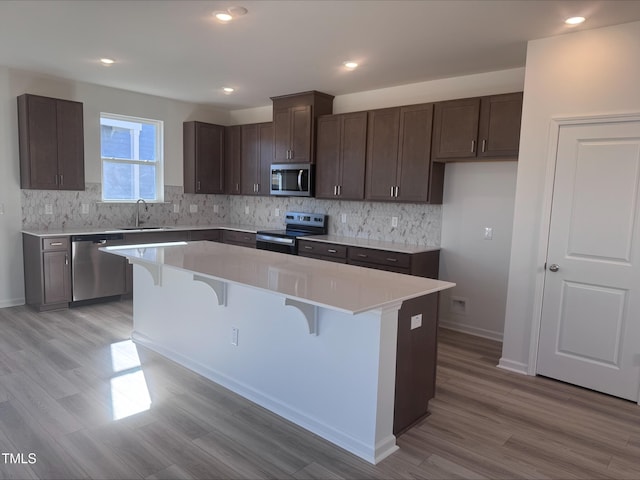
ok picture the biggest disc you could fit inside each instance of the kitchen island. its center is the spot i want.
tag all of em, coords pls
(312, 341)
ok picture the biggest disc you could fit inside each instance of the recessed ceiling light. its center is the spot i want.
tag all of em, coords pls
(223, 16)
(350, 65)
(230, 13)
(228, 90)
(574, 20)
(107, 61)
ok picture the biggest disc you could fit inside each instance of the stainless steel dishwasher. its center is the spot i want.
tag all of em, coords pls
(96, 274)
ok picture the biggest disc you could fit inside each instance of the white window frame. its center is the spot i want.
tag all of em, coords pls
(133, 123)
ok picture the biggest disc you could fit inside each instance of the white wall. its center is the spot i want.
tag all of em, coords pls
(96, 99)
(579, 74)
(477, 195)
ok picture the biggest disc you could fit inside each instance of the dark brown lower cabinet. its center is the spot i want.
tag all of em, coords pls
(47, 272)
(237, 237)
(212, 235)
(416, 357)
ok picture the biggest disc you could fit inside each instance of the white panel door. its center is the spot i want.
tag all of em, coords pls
(590, 325)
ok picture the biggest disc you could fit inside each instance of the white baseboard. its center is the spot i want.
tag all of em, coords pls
(517, 367)
(478, 332)
(12, 302)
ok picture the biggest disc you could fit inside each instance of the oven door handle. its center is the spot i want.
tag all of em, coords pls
(272, 239)
(300, 179)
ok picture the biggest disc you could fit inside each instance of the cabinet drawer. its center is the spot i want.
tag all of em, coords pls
(379, 257)
(211, 235)
(235, 237)
(55, 243)
(322, 249)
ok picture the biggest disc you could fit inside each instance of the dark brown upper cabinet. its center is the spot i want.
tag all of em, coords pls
(51, 142)
(399, 167)
(340, 156)
(294, 128)
(233, 160)
(203, 145)
(477, 128)
(257, 157)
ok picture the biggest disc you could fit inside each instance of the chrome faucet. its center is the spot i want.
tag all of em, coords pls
(146, 209)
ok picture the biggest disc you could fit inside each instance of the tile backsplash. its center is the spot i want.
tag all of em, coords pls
(416, 223)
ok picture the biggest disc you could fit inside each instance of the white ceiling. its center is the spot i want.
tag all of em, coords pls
(176, 49)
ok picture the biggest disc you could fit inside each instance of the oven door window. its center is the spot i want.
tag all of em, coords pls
(286, 180)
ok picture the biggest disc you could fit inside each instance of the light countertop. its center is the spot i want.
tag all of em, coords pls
(375, 244)
(144, 228)
(341, 287)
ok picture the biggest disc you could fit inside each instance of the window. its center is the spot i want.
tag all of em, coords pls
(131, 151)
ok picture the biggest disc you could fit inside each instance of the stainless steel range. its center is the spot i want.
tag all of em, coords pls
(297, 225)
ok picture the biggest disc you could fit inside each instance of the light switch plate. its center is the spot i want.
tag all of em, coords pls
(193, 208)
(416, 321)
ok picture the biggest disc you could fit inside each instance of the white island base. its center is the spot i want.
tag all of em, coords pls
(314, 341)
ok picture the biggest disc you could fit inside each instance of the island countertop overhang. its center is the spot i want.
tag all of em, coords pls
(340, 287)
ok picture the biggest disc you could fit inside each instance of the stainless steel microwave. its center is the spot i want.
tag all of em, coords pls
(292, 179)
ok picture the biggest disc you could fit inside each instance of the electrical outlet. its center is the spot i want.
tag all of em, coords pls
(416, 321)
(216, 208)
(1, 208)
(176, 208)
(85, 208)
(234, 336)
(246, 210)
(488, 233)
(277, 212)
(193, 208)
(48, 209)
(343, 218)
(394, 222)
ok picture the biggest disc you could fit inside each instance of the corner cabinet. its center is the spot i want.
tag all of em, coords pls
(477, 128)
(256, 158)
(294, 125)
(51, 142)
(47, 271)
(340, 156)
(398, 165)
(203, 159)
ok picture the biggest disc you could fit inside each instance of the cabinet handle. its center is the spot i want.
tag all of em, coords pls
(362, 255)
(335, 190)
(198, 186)
(61, 180)
(308, 247)
(396, 191)
(332, 250)
(473, 146)
(484, 145)
(56, 179)
(257, 187)
(237, 187)
(392, 191)
(66, 259)
(55, 244)
(340, 190)
(391, 259)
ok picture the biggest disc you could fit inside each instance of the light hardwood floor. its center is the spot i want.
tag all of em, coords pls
(65, 375)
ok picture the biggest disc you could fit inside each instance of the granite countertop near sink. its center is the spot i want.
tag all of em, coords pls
(376, 244)
(144, 228)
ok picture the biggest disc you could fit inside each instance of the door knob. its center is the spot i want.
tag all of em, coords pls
(554, 267)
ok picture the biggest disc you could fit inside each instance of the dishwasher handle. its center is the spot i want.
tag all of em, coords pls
(98, 238)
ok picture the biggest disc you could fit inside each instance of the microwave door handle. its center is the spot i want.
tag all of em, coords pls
(300, 179)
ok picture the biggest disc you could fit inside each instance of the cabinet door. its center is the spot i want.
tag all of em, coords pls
(382, 153)
(56, 277)
(209, 158)
(282, 135)
(300, 134)
(455, 130)
(265, 157)
(232, 166)
(249, 156)
(414, 156)
(353, 145)
(499, 130)
(328, 156)
(70, 140)
(38, 142)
